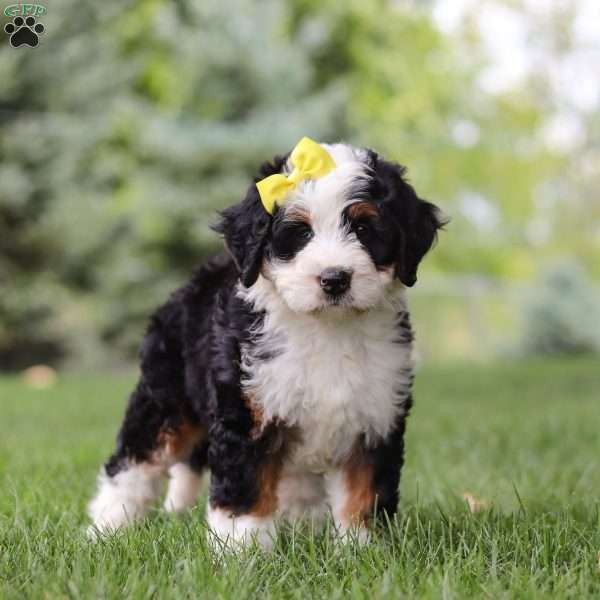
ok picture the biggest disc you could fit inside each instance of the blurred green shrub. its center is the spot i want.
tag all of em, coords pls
(120, 138)
(561, 314)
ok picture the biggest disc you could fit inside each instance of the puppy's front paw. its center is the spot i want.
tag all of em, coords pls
(228, 533)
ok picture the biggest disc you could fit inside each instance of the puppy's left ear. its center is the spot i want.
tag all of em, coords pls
(246, 227)
(417, 221)
(420, 233)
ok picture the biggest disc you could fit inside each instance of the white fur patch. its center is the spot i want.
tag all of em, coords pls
(334, 376)
(301, 495)
(231, 533)
(125, 497)
(337, 496)
(184, 488)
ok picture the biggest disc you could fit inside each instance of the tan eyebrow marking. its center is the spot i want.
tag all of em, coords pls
(362, 210)
(298, 214)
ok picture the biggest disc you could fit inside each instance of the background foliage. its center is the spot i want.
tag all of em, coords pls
(134, 121)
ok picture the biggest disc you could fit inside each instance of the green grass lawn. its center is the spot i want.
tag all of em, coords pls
(523, 438)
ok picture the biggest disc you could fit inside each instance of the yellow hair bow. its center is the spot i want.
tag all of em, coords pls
(310, 161)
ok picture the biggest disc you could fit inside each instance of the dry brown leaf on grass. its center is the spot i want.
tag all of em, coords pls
(40, 377)
(598, 561)
(475, 504)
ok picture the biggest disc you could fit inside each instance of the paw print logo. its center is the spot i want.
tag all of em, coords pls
(24, 32)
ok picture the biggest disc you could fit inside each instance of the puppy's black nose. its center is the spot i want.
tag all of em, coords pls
(335, 280)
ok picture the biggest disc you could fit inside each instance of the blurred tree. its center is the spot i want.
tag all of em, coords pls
(120, 138)
(415, 96)
(561, 315)
(537, 76)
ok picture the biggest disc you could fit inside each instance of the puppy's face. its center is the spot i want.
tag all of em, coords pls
(337, 242)
(331, 244)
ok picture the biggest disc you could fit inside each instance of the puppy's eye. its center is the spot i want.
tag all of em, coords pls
(289, 237)
(363, 230)
(304, 232)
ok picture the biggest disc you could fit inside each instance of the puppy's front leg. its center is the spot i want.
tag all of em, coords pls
(243, 492)
(241, 511)
(367, 483)
(245, 460)
(351, 495)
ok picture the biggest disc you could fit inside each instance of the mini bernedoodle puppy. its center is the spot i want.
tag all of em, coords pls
(284, 366)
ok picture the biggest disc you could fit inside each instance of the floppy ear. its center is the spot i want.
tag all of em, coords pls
(419, 236)
(246, 227)
(416, 221)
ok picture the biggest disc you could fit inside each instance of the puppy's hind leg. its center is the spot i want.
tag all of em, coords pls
(185, 481)
(158, 431)
(124, 494)
(133, 477)
(131, 480)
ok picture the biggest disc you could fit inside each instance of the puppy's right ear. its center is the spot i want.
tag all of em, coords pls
(246, 227)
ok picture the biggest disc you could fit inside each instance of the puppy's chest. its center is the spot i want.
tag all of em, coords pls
(332, 383)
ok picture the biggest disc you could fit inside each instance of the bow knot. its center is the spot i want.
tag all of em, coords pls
(310, 161)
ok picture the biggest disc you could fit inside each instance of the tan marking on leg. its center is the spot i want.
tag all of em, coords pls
(360, 495)
(177, 443)
(270, 471)
(256, 414)
(268, 481)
